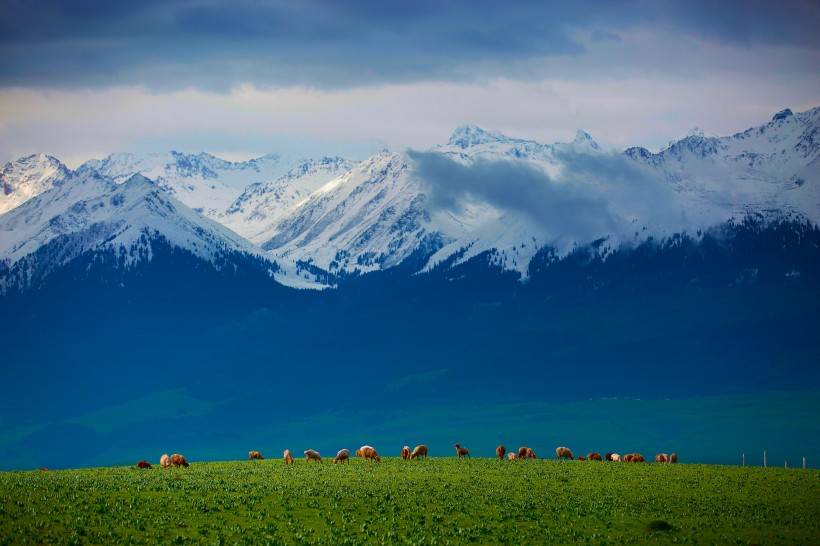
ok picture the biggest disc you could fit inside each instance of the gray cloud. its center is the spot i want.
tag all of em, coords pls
(593, 196)
(216, 44)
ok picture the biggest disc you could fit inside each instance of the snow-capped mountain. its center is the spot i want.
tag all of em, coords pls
(90, 212)
(512, 196)
(368, 218)
(774, 167)
(480, 192)
(264, 204)
(204, 182)
(23, 179)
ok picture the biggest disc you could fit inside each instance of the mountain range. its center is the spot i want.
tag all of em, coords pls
(480, 192)
(149, 299)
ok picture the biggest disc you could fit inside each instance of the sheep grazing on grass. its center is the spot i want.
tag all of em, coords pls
(526, 453)
(500, 451)
(462, 451)
(594, 457)
(405, 453)
(634, 458)
(673, 458)
(178, 460)
(342, 456)
(288, 457)
(367, 452)
(564, 452)
(512, 456)
(661, 458)
(144, 464)
(616, 458)
(419, 452)
(255, 455)
(582, 458)
(607, 456)
(312, 455)
(165, 461)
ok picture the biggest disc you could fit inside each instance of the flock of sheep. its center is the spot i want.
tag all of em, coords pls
(420, 451)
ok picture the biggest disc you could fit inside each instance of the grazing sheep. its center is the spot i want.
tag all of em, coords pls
(312, 455)
(661, 458)
(616, 458)
(255, 455)
(608, 456)
(144, 464)
(526, 453)
(462, 451)
(500, 451)
(44, 469)
(342, 456)
(165, 461)
(288, 457)
(582, 458)
(593, 457)
(634, 458)
(562, 452)
(178, 460)
(419, 451)
(367, 452)
(512, 456)
(673, 458)
(405, 453)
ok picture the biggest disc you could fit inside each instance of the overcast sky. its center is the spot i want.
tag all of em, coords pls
(86, 78)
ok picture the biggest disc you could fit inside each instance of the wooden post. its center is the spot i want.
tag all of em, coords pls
(804, 463)
(764, 458)
(786, 464)
(744, 459)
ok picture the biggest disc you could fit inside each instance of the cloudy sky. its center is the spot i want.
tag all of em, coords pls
(86, 78)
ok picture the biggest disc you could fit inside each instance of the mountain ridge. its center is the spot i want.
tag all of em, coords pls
(481, 192)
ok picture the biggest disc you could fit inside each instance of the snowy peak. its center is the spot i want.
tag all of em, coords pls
(468, 136)
(22, 179)
(263, 204)
(783, 114)
(583, 140)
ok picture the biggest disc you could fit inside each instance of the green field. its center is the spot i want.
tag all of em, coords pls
(433, 501)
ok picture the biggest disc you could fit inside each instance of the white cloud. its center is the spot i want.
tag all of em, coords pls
(643, 89)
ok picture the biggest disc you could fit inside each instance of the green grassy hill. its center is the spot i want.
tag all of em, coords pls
(433, 501)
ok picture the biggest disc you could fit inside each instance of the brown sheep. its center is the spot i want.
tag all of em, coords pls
(165, 461)
(462, 451)
(405, 453)
(512, 456)
(313, 455)
(144, 464)
(367, 452)
(562, 452)
(342, 456)
(593, 457)
(634, 458)
(178, 460)
(255, 455)
(419, 451)
(608, 456)
(673, 458)
(500, 451)
(582, 458)
(661, 458)
(526, 453)
(288, 457)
